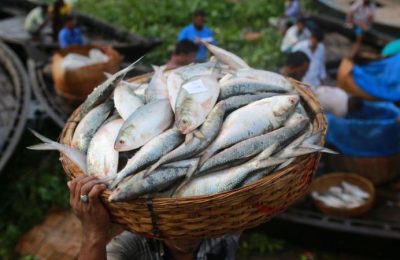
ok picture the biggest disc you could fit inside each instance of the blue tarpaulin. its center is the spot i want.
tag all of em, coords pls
(380, 79)
(372, 131)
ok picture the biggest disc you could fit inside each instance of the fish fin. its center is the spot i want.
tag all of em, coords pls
(189, 175)
(317, 148)
(43, 146)
(41, 137)
(108, 75)
(130, 85)
(267, 152)
(152, 168)
(199, 134)
(115, 181)
(189, 138)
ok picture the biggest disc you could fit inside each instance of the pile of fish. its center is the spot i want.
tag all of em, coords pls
(197, 130)
(345, 196)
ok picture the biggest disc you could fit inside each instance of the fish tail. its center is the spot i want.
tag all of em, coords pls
(43, 146)
(41, 137)
(199, 134)
(318, 148)
(189, 138)
(47, 144)
(189, 175)
(267, 152)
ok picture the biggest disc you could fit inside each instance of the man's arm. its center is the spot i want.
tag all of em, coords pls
(93, 216)
(62, 39)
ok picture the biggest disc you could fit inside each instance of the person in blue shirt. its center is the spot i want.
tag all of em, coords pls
(197, 32)
(69, 35)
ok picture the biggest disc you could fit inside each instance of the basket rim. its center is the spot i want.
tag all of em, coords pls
(304, 91)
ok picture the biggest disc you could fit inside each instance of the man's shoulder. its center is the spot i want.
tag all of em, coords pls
(188, 27)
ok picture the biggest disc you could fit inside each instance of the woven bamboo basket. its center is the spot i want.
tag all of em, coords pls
(219, 214)
(346, 82)
(75, 85)
(379, 170)
(323, 183)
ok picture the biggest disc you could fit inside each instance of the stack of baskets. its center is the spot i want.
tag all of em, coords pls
(214, 215)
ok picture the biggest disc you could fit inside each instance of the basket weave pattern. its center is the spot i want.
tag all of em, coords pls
(218, 214)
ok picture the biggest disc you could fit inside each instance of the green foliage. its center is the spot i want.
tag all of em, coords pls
(32, 183)
(255, 243)
(229, 20)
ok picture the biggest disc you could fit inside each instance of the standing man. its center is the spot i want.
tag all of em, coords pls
(315, 50)
(360, 18)
(295, 34)
(69, 35)
(197, 32)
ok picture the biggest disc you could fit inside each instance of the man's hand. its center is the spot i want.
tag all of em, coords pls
(94, 217)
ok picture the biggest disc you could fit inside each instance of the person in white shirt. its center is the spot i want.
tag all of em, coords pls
(360, 18)
(336, 101)
(295, 34)
(315, 50)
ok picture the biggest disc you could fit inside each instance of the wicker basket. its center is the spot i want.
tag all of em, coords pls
(75, 85)
(323, 183)
(213, 215)
(379, 170)
(346, 82)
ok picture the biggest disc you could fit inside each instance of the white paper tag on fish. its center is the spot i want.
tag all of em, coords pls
(195, 86)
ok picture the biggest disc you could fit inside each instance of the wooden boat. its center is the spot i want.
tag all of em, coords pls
(386, 20)
(131, 46)
(38, 54)
(14, 101)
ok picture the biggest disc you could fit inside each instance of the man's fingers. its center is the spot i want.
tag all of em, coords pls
(95, 192)
(87, 187)
(79, 185)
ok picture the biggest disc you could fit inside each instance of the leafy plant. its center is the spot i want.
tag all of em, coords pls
(229, 20)
(258, 243)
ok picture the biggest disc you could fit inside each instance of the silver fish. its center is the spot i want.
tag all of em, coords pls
(266, 115)
(137, 185)
(226, 57)
(265, 76)
(88, 126)
(77, 157)
(199, 69)
(223, 180)
(145, 123)
(195, 100)
(150, 152)
(157, 88)
(102, 159)
(254, 145)
(126, 102)
(104, 90)
(241, 86)
(209, 129)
